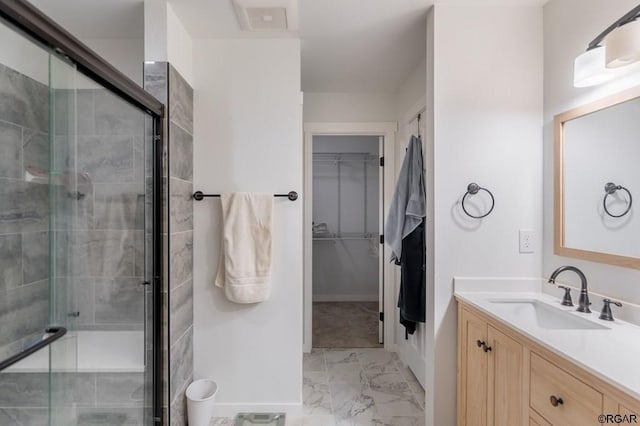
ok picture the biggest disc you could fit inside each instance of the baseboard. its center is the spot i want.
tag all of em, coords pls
(345, 297)
(392, 347)
(231, 409)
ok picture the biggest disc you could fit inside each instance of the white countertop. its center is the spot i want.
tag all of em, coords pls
(612, 354)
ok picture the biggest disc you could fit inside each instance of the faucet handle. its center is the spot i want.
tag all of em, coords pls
(566, 300)
(606, 313)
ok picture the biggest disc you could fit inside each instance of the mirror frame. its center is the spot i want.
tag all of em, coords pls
(559, 247)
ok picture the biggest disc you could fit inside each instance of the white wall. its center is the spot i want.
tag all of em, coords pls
(179, 46)
(346, 270)
(349, 107)
(126, 54)
(22, 55)
(248, 138)
(487, 129)
(166, 38)
(412, 90)
(560, 49)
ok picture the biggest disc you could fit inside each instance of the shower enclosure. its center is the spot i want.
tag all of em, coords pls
(80, 246)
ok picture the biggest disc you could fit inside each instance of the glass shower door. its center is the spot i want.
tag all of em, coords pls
(76, 244)
(25, 285)
(101, 213)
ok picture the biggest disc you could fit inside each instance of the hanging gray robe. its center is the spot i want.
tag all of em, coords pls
(408, 206)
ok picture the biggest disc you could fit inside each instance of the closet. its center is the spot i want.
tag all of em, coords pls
(346, 242)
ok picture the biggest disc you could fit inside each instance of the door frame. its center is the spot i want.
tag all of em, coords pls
(388, 131)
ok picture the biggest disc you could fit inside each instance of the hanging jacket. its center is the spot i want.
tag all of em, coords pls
(413, 282)
(408, 206)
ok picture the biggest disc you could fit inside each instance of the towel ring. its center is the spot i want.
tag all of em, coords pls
(610, 188)
(473, 189)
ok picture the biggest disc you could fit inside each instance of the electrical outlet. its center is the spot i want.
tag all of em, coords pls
(526, 240)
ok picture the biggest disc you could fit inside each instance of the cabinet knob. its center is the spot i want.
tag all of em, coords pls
(555, 401)
(480, 343)
(486, 348)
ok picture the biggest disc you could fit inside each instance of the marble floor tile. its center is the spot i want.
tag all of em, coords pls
(311, 421)
(414, 384)
(346, 372)
(356, 387)
(314, 361)
(378, 361)
(352, 402)
(221, 421)
(418, 392)
(341, 356)
(315, 394)
(344, 366)
(393, 397)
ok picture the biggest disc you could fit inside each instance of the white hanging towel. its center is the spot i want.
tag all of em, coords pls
(244, 269)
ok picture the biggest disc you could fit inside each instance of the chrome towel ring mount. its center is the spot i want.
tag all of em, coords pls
(611, 188)
(473, 189)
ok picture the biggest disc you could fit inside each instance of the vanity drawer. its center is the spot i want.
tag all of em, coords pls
(581, 404)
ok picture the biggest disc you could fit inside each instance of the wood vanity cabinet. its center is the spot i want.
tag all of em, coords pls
(505, 379)
(490, 374)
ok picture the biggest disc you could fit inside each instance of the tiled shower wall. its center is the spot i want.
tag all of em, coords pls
(107, 233)
(164, 82)
(24, 235)
(24, 211)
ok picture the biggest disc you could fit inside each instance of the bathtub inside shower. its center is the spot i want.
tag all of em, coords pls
(89, 352)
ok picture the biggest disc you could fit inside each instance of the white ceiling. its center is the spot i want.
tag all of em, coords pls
(361, 46)
(97, 18)
(366, 46)
(347, 45)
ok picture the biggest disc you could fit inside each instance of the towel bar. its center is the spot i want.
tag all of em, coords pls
(199, 195)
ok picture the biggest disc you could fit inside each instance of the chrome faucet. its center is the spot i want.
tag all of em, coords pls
(583, 302)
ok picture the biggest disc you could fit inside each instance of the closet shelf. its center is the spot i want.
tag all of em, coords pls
(345, 236)
(342, 157)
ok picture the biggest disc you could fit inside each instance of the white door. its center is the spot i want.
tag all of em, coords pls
(412, 350)
(381, 260)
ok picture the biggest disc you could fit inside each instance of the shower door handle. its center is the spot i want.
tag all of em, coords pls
(54, 333)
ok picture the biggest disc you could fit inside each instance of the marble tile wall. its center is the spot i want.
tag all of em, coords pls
(114, 399)
(164, 82)
(24, 211)
(104, 229)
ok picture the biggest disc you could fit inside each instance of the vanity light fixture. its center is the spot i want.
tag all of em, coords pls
(589, 68)
(613, 49)
(623, 45)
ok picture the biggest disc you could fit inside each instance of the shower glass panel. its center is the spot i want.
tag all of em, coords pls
(24, 226)
(76, 244)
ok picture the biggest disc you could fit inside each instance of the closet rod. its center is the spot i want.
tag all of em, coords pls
(199, 195)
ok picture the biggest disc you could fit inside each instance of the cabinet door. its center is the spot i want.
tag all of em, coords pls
(505, 390)
(472, 409)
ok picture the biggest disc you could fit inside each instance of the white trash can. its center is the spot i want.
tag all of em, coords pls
(200, 396)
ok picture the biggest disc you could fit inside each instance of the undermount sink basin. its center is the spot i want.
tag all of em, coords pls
(544, 316)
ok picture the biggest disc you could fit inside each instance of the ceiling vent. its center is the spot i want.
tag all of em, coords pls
(267, 15)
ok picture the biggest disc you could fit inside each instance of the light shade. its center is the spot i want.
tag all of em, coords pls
(589, 68)
(623, 45)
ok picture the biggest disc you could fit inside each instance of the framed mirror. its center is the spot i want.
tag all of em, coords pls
(597, 181)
